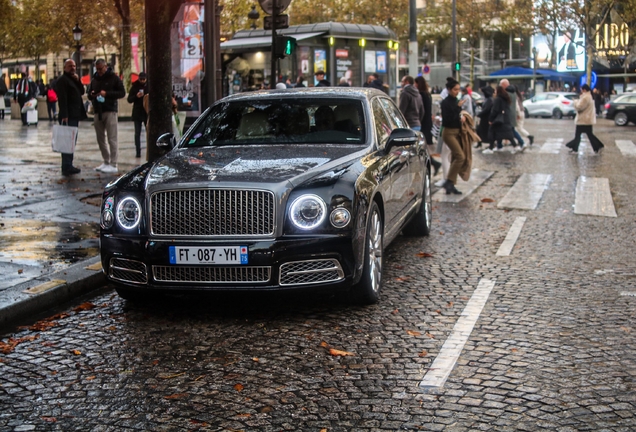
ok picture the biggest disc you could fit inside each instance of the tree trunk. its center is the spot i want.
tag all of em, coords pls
(126, 48)
(159, 17)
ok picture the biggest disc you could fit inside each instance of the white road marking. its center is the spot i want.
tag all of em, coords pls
(477, 177)
(445, 361)
(628, 293)
(626, 147)
(552, 145)
(513, 234)
(526, 193)
(593, 197)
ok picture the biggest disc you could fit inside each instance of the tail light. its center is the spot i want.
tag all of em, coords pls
(566, 102)
(607, 105)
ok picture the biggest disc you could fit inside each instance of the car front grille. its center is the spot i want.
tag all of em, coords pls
(128, 271)
(310, 272)
(212, 212)
(203, 275)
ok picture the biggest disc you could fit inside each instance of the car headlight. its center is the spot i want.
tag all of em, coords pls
(340, 217)
(107, 219)
(128, 213)
(308, 211)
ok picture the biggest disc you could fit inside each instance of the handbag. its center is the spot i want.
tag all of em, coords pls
(500, 119)
(64, 138)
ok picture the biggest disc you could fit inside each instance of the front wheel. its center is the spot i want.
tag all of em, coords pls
(420, 225)
(557, 114)
(620, 119)
(367, 291)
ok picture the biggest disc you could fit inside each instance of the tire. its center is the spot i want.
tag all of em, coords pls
(420, 225)
(557, 114)
(526, 113)
(367, 291)
(620, 119)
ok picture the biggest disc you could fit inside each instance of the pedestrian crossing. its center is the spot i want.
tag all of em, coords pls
(593, 197)
(526, 193)
(626, 147)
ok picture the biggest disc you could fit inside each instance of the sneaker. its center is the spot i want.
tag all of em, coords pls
(513, 150)
(110, 169)
(498, 149)
(487, 151)
(101, 167)
(440, 183)
(522, 148)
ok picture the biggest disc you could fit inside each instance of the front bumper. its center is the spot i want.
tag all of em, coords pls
(291, 263)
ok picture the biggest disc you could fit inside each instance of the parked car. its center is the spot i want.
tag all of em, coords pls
(622, 109)
(271, 190)
(551, 104)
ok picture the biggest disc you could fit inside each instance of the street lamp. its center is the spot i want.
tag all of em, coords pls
(253, 15)
(502, 58)
(77, 35)
(534, 70)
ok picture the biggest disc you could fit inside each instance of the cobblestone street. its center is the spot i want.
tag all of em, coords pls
(554, 347)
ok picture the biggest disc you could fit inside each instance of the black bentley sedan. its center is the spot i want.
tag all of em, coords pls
(271, 190)
(622, 109)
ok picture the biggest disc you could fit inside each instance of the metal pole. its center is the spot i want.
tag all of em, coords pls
(209, 54)
(413, 50)
(454, 45)
(274, 77)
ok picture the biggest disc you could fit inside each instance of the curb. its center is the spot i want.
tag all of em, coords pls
(17, 303)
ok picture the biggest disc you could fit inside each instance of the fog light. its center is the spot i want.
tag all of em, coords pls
(340, 217)
(107, 219)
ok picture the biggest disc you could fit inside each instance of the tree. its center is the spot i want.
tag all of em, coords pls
(6, 18)
(159, 17)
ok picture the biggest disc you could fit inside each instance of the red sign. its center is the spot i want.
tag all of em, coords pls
(342, 53)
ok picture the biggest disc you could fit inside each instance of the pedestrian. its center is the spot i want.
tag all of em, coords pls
(71, 108)
(343, 82)
(41, 88)
(136, 97)
(3, 91)
(585, 118)
(468, 105)
(410, 103)
(320, 78)
(24, 91)
(427, 117)
(521, 118)
(499, 120)
(375, 82)
(512, 113)
(452, 123)
(598, 101)
(103, 91)
(483, 128)
(299, 82)
(51, 102)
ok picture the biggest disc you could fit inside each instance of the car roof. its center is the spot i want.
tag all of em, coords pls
(319, 92)
(559, 93)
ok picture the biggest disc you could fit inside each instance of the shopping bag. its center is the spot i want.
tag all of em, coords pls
(29, 105)
(64, 138)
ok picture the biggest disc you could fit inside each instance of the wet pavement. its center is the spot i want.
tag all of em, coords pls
(544, 332)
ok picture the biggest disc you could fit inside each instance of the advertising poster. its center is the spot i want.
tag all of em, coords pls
(570, 49)
(134, 43)
(343, 65)
(320, 62)
(381, 61)
(187, 57)
(540, 42)
(369, 61)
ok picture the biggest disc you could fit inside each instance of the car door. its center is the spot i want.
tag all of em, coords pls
(534, 108)
(630, 109)
(393, 166)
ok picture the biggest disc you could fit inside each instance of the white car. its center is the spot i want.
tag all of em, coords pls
(551, 104)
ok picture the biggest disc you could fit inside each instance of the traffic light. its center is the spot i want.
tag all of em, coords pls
(458, 66)
(285, 46)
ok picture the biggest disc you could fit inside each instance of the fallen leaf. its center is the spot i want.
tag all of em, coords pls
(402, 279)
(438, 311)
(450, 304)
(255, 359)
(487, 200)
(414, 333)
(266, 409)
(335, 352)
(84, 307)
(8, 347)
(514, 349)
(20, 271)
(238, 387)
(324, 344)
(395, 311)
(424, 255)
(90, 378)
(49, 419)
(429, 335)
(77, 352)
(176, 396)
(42, 325)
(323, 430)
(423, 354)
(246, 415)
(626, 329)
(398, 267)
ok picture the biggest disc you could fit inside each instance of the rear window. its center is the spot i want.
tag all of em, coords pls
(571, 97)
(280, 121)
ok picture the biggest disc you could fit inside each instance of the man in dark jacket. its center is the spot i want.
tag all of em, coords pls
(411, 103)
(139, 116)
(103, 92)
(320, 77)
(69, 91)
(24, 91)
(375, 82)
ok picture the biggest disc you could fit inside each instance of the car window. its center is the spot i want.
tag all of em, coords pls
(572, 97)
(539, 98)
(394, 114)
(552, 96)
(280, 121)
(382, 124)
(631, 99)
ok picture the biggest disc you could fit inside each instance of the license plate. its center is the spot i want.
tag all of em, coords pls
(208, 255)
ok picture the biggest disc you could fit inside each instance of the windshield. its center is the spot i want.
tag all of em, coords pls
(285, 120)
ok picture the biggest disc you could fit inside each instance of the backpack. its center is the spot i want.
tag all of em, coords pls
(51, 96)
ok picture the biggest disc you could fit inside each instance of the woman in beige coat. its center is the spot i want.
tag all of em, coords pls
(585, 118)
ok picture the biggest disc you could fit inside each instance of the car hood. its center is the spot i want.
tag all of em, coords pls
(254, 164)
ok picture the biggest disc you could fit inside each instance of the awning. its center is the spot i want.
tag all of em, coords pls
(262, 41)
(516, 72)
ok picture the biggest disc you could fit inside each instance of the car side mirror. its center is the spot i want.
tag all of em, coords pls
(167, 141)
(401, 137)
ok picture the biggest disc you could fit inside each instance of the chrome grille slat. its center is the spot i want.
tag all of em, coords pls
(193, 274)
(309, 272)
(128, 270)
(212, 212)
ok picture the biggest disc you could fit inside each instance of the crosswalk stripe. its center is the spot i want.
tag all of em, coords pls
(513, 234)
(626, 147)
(526, 193)
(553, 146)
(593, 197)
(477, 177)
(445, 361)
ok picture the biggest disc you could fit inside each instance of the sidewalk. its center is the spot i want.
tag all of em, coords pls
(49, 224)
